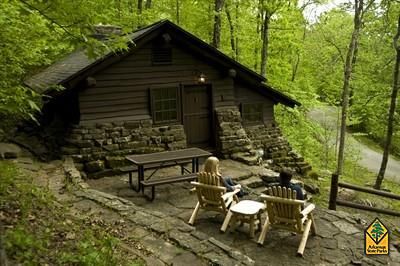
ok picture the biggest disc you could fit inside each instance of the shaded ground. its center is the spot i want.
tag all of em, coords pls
(339, 240)
(370, 159)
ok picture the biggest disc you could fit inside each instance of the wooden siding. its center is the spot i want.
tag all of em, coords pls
(122, 89)
(243, 94)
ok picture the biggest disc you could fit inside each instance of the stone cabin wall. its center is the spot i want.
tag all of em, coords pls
(99, 150)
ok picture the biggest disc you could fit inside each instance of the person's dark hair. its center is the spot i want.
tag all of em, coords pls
(285, 176)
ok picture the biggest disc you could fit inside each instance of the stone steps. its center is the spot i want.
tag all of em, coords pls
(305, 169)
(279, 159)
(245, 157)
(252, 182)
(296, 164)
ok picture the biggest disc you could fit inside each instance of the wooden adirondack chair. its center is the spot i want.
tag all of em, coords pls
(211, 195)
(285, 212)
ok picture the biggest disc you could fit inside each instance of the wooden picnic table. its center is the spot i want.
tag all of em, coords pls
(160, 160)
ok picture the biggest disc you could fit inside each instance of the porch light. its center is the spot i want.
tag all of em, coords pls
(201, 78)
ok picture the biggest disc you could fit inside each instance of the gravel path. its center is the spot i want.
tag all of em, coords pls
(370, 159)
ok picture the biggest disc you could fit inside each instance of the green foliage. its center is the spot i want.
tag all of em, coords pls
(92, 251)
(313, 175)
(24, 245)
(26, 44)
(38, 232)
(305, 59)
(324, 54)
(305, 136)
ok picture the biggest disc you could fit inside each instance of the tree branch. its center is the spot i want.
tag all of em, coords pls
(334, 45)
(51, 20)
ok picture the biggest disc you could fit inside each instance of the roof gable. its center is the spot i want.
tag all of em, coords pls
(77, 64)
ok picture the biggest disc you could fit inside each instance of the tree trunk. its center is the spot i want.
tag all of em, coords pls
(139, 13)
(210, 18)
(177, 12)
(392, 110)
(118, 3)
(217, 23)
(351, 90)
(140, 6)
(295, 67)
(346, 84)
(237, 30)
(296, 64)
(258, 30)
(231, 30)
(265, 42)
(148, 4)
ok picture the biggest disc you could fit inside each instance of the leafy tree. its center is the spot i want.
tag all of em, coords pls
(27, 44)
(350, 59)
(392, 109)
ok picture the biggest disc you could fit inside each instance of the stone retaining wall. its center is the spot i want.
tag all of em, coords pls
(233, 141)
(269, 138)
(100, 149)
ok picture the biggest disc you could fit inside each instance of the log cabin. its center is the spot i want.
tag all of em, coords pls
(169, 90)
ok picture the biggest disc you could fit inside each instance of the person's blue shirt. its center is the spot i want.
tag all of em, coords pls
(297, 188)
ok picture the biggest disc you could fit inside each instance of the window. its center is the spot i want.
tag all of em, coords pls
(164, 102)
(252, 112)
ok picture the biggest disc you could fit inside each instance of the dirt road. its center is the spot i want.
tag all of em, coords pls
(370, 159)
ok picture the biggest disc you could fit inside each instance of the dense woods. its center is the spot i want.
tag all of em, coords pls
(331, 59)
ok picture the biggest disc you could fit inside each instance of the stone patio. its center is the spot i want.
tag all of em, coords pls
(339, 240)
(158, 231)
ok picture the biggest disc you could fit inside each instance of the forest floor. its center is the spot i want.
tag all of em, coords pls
(370, 157)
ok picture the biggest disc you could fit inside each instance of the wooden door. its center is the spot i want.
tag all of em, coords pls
(197, 118)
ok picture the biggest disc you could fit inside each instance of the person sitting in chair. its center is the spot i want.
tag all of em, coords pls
(285, 177)
(211, 165)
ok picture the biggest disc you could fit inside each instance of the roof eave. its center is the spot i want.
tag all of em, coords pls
(279, 96)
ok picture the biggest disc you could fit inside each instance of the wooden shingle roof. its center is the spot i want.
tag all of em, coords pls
(59, 71)
(71, 65)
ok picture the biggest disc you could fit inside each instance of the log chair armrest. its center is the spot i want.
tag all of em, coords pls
(205, 186)
(277, 199)
(230, 194)
(307, 210)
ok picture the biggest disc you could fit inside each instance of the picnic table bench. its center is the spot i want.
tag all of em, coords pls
(160, 160)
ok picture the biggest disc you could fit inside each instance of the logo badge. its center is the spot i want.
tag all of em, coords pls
(376, 238)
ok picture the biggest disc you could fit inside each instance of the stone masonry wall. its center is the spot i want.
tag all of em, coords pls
(269, 138)
(233, 141)
(99, 150)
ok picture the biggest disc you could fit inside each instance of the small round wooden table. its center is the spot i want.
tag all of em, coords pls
(245, 211)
